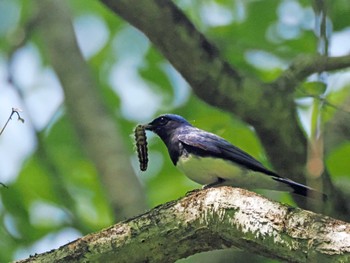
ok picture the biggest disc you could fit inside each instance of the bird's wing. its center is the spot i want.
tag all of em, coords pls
(207, 144)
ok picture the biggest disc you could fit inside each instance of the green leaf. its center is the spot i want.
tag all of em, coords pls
(314, 88)
(338, 161)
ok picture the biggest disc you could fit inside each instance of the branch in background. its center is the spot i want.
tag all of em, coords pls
(45, 158)
(212, 219)
(95, 127)
(182, 44)
(304, 66)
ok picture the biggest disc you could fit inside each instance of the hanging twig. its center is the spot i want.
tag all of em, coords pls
(14, 110)
(324, 101)
(17, 111)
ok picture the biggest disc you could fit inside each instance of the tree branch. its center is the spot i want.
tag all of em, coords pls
(213, 219)
(304, 66)
(180, 42)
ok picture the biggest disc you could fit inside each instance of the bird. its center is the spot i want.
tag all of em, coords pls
(212, 161)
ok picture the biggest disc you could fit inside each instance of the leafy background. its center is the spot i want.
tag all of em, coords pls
(54, 192)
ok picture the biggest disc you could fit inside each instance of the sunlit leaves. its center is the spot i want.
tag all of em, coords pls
(338, 162)
(312, 89)
(60, 176)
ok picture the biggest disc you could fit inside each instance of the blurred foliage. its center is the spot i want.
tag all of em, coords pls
(57, 189)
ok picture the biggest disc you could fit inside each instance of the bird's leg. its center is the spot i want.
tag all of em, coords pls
(217, 183)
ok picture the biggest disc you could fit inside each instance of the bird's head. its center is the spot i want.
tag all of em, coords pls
(165, 125)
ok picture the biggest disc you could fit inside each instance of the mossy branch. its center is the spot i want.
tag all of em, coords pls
(212, 219)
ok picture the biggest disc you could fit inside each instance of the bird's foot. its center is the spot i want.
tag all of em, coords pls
(215, 184)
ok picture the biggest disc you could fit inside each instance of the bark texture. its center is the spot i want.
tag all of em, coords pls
(213, 219)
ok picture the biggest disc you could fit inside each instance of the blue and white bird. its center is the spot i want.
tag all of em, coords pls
(212, 161)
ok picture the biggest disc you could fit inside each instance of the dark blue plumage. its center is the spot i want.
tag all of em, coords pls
(210, 160)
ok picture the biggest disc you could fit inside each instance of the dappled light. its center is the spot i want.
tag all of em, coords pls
(270, 77)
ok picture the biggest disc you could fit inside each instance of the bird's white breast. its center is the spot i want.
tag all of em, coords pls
(207, 170)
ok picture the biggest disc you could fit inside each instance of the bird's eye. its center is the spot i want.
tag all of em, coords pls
(163, 121)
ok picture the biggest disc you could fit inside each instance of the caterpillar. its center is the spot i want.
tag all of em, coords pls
(141, 146)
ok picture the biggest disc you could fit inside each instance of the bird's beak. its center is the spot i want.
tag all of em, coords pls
(148, 127)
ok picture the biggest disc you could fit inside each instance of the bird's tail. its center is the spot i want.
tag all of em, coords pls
(301, 189)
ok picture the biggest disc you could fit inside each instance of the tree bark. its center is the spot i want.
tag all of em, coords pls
(212, 219)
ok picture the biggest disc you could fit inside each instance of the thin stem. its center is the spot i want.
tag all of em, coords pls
(14, 110)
